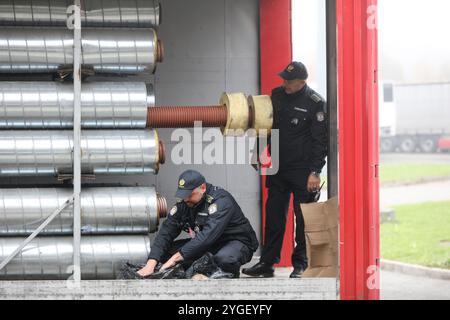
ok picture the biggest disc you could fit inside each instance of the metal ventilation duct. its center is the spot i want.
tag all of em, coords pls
(51, 258)
(49, 105)
(122, 210)
(94, 13)
(47, 50)
(49, 153)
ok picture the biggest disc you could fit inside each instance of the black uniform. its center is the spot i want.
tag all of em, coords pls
(301, 120)
(220, 228)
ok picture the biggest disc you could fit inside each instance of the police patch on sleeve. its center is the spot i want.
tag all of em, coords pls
(320, 116)
(316, 98)
(173, 210)
(212, 208)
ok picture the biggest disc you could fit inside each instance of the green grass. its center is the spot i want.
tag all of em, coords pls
(410, 173)
(419, 234)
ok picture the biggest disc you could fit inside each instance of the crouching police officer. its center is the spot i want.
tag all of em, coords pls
(215, 223)
(299, 115)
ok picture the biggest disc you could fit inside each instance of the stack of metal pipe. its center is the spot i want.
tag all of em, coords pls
(36, 139)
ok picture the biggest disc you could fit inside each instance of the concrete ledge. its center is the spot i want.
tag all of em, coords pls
(415, 270)
(238, 289)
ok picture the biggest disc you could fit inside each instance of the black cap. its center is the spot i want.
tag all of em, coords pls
(187, 182)
(295, 70)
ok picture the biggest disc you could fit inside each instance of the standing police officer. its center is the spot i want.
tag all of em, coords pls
(215, 222)
(300, 116)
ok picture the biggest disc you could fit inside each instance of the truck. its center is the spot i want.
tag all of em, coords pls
(414, 117)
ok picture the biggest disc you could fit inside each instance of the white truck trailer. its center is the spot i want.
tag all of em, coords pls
(414, 117)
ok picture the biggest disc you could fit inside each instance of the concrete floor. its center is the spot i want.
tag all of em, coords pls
(397, 286)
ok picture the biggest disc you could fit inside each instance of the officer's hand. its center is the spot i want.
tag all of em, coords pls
(313, 183)
(148, 269)
(174, 260)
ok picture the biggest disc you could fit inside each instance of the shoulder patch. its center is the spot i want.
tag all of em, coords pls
(173, 210)
(209, 198)
(212, 208)
(321, 116)
(316, 98)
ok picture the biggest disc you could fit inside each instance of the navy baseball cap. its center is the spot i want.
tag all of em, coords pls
(187, 182)
(295, 70)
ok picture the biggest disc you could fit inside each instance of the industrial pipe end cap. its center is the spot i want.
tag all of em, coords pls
(261, 114)
(162, 207)
(238, 113)
(160, 153)
(160, 51)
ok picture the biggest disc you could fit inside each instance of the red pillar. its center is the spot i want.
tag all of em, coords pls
(358, 149)
(276, 54)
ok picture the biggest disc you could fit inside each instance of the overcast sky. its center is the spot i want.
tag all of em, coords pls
(413, 38)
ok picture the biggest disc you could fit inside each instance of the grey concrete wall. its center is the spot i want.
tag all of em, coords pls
(212, 46)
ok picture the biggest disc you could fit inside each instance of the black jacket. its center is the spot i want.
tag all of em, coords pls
(217, 219)
(301, 120)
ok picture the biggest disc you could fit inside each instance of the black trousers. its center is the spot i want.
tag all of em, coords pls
(281, 186)
(229, 256)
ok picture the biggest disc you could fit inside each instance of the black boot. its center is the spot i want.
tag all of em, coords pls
(260, 270)
(297, 273)
(205, 265)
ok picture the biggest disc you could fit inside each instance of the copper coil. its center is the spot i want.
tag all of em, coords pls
(161, 206)
(185, 117)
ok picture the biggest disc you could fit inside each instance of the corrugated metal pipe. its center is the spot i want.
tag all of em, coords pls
(180, 117)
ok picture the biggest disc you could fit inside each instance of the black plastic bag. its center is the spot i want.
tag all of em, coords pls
(129, 271)
(176, 272)
(207, 267)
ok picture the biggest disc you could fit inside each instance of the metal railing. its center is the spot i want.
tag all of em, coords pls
(75, 199)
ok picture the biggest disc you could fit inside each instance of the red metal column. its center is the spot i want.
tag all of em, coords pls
(276, 54)
(358, 149)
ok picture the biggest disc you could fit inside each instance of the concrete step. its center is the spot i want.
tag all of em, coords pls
(236, 289)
